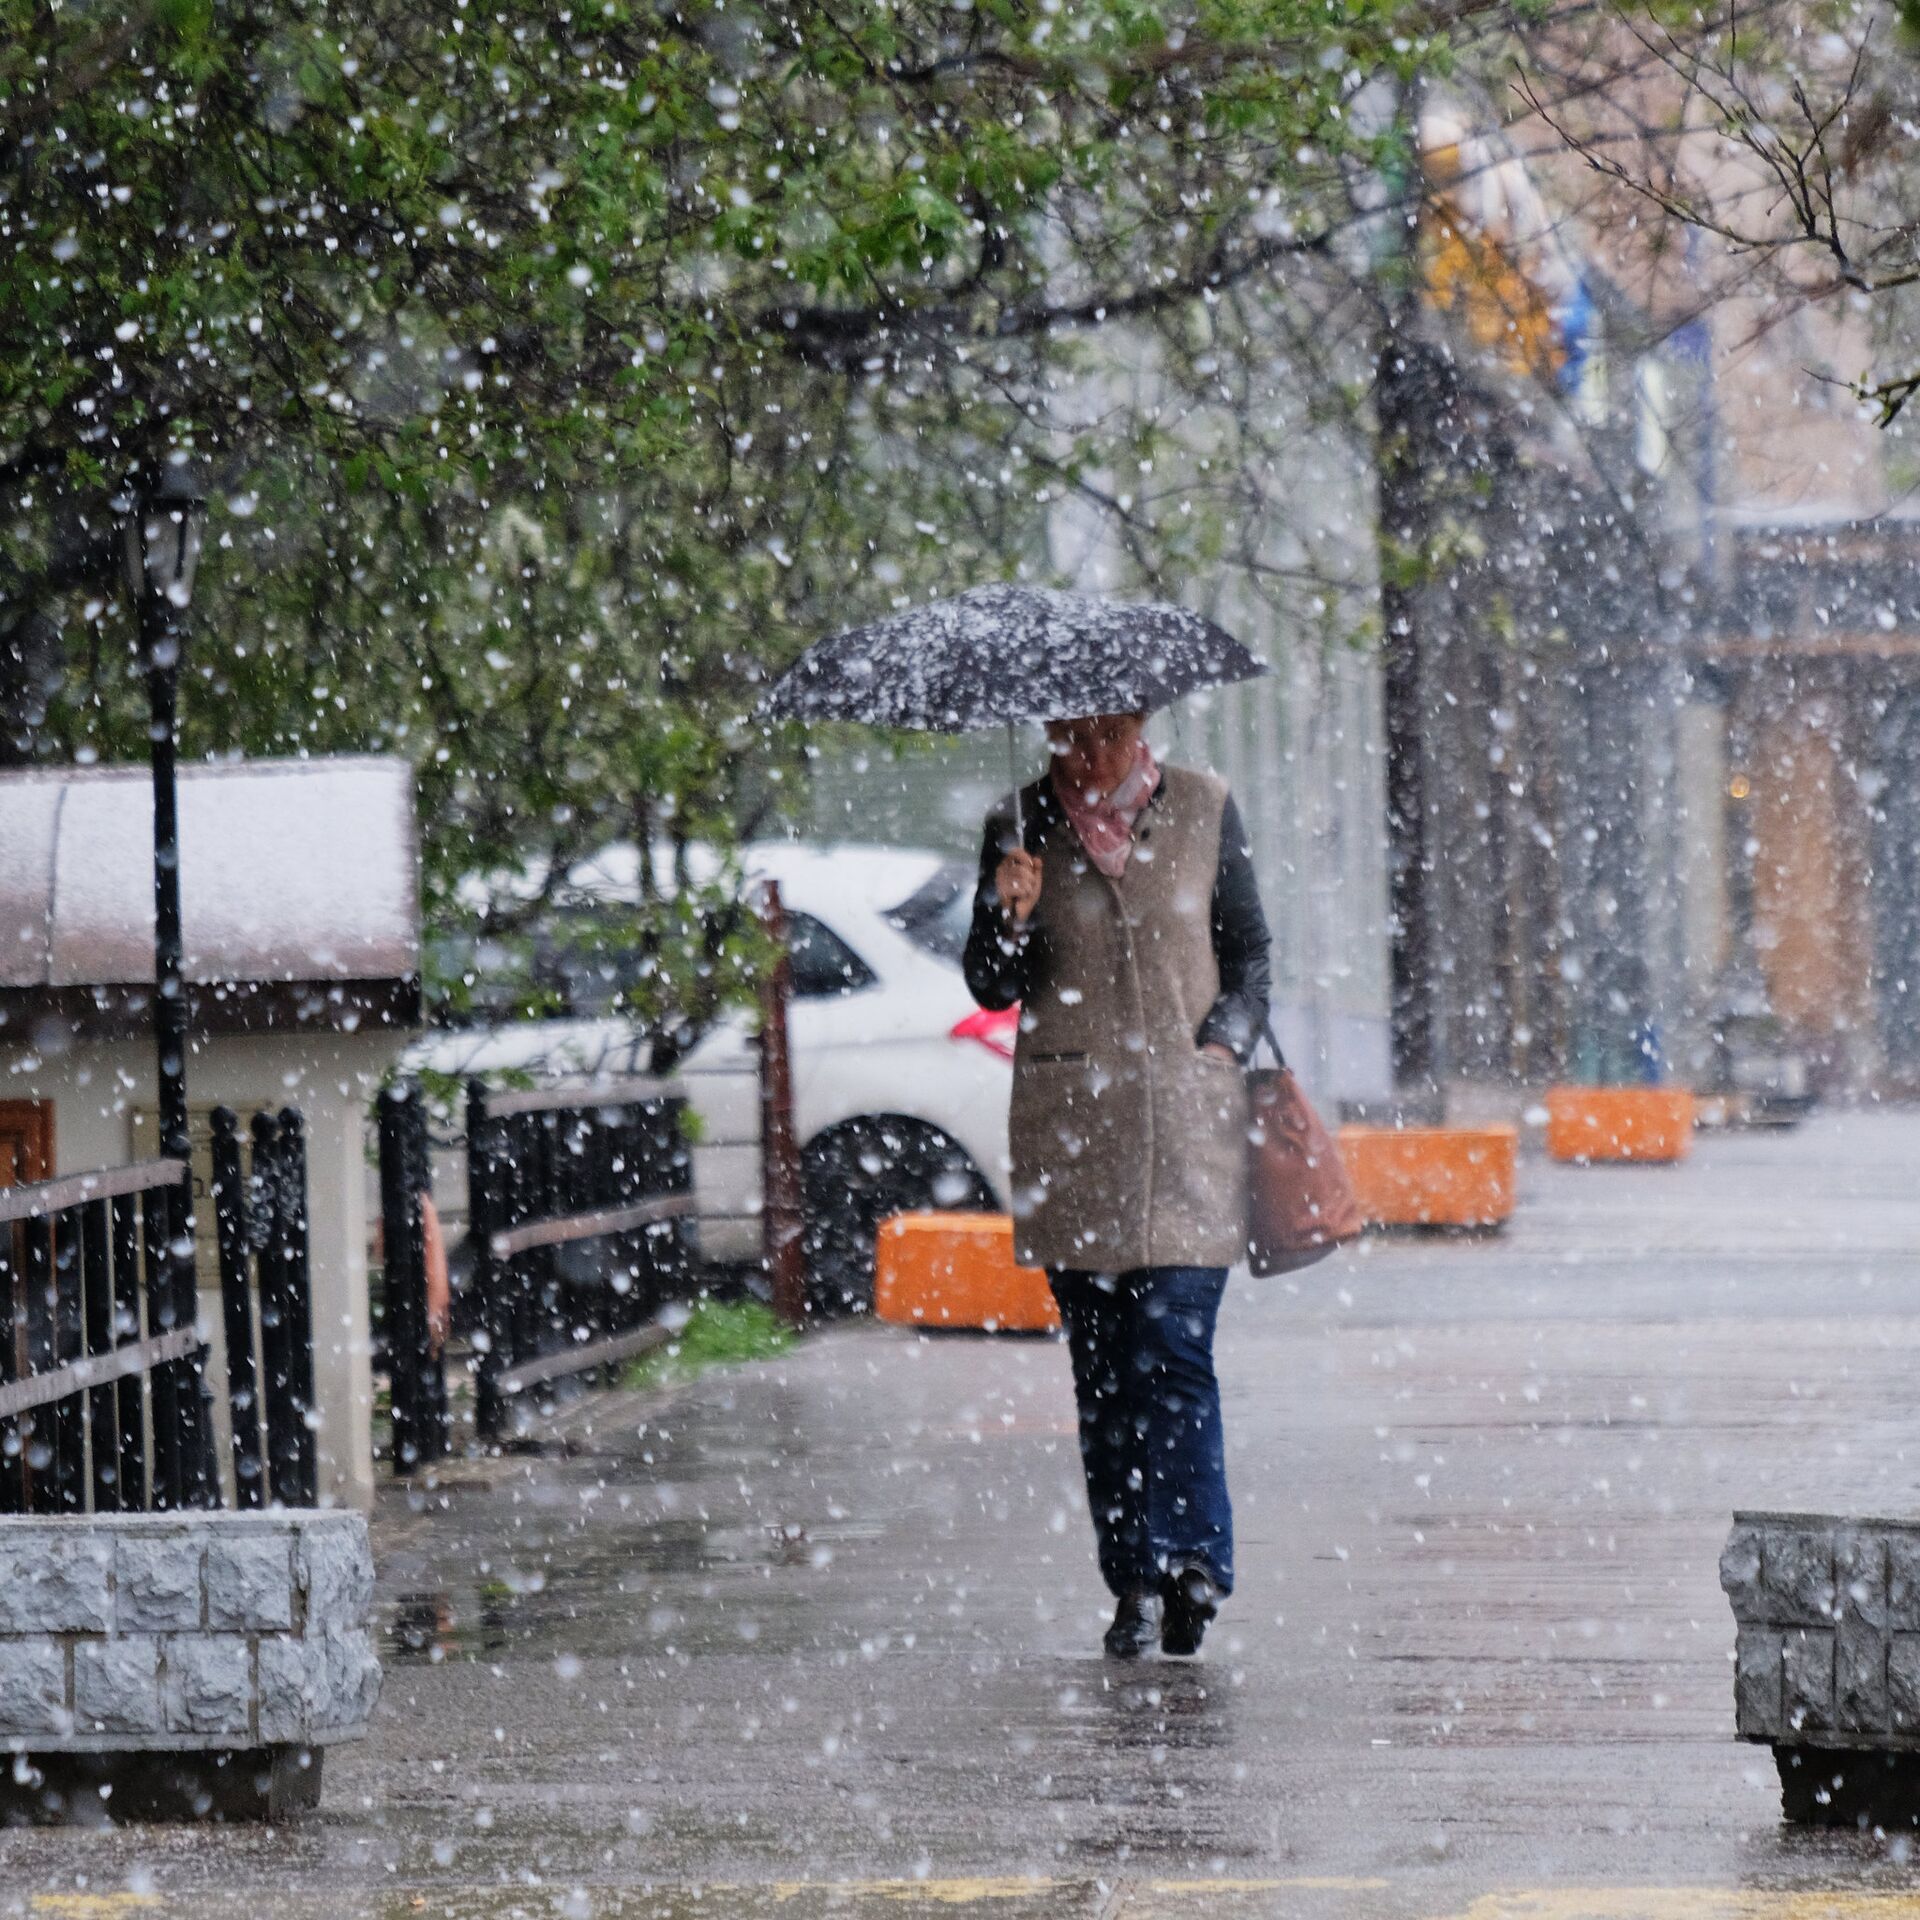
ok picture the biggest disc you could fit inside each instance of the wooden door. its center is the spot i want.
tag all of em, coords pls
(26, 1141)
(26, 1154)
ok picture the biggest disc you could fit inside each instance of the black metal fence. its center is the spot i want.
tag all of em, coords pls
(416, 1372)
(104, 1399)
(103, 1394)
(578, 1210)
(266, 1300)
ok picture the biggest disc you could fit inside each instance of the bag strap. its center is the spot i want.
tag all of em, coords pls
(1273, 1040)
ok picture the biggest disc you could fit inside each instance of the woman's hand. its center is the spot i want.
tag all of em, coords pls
(1017, 881)
(1220, 1052)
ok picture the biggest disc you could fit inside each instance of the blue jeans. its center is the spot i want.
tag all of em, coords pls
(1150, 1433)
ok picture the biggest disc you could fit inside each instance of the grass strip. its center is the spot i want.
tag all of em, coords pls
(717, 1333)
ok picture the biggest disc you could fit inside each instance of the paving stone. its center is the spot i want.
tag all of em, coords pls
(116, 1685)
(286, 1689)
(1860, 1575)
(325, 1684)
(337, 1571)
(346, 1679)
(1903, 1683)
(206, 1684)
(250, 1579)
(1797, 1569)
(1757, 1683)
(55, 1583)
(1903, 1580)
(33, 1687)
(157, 1581)
(1740, 1573)
(1860, 1678)
(1807, 1664)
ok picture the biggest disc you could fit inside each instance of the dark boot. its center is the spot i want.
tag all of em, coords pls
(1136, 1623)
(1189, 1602)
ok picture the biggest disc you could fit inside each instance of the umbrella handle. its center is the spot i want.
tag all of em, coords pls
(1013, 767)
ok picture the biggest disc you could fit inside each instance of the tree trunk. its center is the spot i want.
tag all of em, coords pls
(1403, 532)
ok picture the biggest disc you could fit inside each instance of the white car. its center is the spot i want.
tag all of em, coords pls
(900, 1082)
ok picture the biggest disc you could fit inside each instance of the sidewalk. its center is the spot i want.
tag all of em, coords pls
(834, 1619)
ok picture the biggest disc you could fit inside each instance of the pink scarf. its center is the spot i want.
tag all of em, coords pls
(1105, 826)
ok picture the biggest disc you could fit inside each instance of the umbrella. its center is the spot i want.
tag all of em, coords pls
(1002, 654)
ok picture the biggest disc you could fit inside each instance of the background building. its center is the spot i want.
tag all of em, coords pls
(300, 904)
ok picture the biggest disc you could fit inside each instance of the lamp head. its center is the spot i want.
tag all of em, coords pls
(163, 531)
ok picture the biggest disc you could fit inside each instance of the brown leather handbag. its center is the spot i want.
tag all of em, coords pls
(1300, 1203)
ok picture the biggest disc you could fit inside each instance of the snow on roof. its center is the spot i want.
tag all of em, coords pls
(290, 870)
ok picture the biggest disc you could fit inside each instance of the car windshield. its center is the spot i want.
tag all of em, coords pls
(936, 916)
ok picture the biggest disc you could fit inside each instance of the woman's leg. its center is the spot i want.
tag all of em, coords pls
(1189, 1519)
(1101, 1318)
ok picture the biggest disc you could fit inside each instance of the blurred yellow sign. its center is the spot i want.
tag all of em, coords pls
(1471, 276)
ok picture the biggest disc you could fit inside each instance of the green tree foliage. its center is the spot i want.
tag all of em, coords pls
(561, 367)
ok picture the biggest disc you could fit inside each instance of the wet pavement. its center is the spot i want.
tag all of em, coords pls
(820, 1636)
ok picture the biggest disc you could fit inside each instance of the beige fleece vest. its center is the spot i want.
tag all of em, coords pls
(1129, 1144)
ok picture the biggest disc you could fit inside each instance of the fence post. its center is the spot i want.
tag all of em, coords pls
(482, 1201)
(606, 1133)
(279, 1328)
(103, 1404)
(69, 1429)
(781, 1213)
(236, 1306)
(292, 1135)
(199, 1486)
(403, 1283)
(549, 1316)
(164, 1384)
(626, 1171)
(434, 1429)
(670, 1246)
(132, 1424)
(36, 1428)
(13, 1366)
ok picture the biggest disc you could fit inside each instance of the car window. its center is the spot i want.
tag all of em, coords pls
(938, 915)
(823, 963)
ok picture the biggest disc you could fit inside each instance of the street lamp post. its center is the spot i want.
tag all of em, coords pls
(163, 534)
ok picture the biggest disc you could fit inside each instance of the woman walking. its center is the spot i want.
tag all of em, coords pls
(1126, 922)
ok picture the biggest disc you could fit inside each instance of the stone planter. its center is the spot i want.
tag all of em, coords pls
(1588, 1124)
(1827, 1660)
(187, 1663)
(1431, 1176)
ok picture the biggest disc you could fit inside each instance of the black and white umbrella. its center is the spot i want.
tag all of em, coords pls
(1003, 654)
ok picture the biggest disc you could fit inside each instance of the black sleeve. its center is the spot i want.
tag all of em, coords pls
(997, 955)
(1240, 944)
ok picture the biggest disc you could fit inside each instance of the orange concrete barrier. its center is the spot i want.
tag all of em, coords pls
(1619, 1123)
(1431, 1176)
(958, 1270)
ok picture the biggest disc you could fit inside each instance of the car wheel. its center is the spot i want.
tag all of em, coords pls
(855, 1176)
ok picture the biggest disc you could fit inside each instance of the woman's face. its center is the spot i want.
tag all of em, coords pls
(1096, 753)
